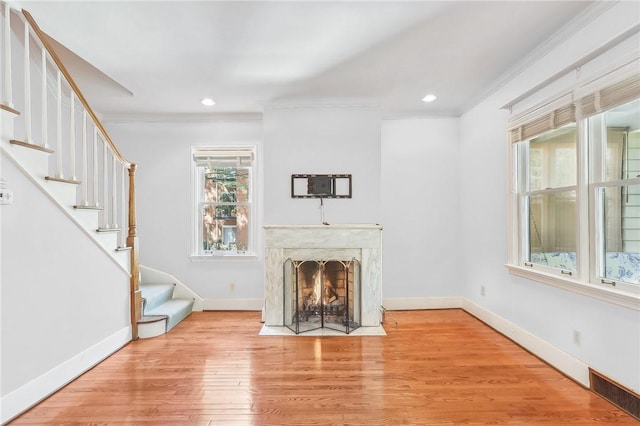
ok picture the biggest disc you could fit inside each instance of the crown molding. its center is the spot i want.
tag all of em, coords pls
(181, 117)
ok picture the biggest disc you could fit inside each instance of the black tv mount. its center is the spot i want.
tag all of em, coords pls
(320, 186)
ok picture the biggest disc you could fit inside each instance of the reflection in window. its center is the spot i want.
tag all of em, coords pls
(553, 160)
(552, 230)
(551, 199)
(619, 195)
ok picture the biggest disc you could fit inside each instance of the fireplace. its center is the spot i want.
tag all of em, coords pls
(319, 252)
(319, 294)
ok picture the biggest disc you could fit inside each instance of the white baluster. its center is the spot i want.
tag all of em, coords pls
(59, 127)
(8, 91)
(72, 136)
(105, 184)
(114, 193)
(27, 86)
(123, 207)
(95, 166)
(85, 160)
(45, 133)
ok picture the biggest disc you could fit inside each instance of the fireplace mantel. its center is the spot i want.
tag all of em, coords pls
(362, 242)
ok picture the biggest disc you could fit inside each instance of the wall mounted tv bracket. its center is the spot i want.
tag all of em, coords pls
(320, 186)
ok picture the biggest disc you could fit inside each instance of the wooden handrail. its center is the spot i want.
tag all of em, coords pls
(43, 39)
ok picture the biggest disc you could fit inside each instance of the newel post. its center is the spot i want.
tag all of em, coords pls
(132, 241)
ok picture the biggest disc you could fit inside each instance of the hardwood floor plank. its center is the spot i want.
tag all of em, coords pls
(439, 367)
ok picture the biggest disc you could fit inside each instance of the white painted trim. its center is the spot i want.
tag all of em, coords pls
(182, 117)
(567, 364)
(600, 292)
(412, 303)
(41, 387)
(232, 304)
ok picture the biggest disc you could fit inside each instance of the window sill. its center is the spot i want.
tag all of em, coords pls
(223, 257)
(607, 294)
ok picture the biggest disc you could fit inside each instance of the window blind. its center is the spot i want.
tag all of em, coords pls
(610, 97)
(542, 123)
(223, 158)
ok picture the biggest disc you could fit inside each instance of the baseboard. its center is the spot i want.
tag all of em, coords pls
(562, 361)
(43, 386)
(413, 303)
(232, 304)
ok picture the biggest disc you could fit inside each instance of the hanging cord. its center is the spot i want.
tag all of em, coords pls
(322, 212)
(535, 228)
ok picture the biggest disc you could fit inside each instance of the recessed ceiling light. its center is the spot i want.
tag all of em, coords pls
(207, 102)
(430, 98)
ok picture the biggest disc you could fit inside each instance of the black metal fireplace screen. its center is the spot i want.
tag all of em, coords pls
(322, 294)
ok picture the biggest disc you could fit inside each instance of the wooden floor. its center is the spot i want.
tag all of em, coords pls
(439, 367)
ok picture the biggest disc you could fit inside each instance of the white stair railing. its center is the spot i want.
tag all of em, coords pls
(103, 168)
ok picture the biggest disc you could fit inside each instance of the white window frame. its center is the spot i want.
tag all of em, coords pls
(196, 222)
(586, 279)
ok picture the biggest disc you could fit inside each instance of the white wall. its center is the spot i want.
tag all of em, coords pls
(610, 334)
(58, 316)
(162, 152)
(420, 208)
(323, 140)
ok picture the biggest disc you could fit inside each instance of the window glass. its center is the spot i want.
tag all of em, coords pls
(575, 190)
(619, 251)
(552, 229)
(553, 160)
(223, 193)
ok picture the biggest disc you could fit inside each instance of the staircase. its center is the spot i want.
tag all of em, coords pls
(162, 311)
(52, 135)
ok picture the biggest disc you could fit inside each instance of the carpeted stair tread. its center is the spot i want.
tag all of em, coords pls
(155, 295)
(175, 309)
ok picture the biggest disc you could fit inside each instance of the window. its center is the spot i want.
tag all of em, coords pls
(575, 207)
(223, 208)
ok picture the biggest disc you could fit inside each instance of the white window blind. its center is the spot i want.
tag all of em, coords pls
(223, 158)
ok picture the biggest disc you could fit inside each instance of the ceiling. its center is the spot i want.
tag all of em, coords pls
(159, 59)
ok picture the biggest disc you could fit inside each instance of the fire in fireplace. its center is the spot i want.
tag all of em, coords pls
(321, 294)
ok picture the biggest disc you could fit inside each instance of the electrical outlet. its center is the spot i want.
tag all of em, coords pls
(577, 338)
(482, 290)
(232, 287)
(6, 196)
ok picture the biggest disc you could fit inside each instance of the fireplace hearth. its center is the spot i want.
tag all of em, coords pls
(321, 294)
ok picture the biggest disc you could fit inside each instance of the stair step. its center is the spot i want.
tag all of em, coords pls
(8, 108)
(31, 146)
(123, 258)
(108, 230)
(123, 248)
(152, 326)
(63, 180)
(175, 309)
(62, 192)
(147, 319)
(36, 161)
(155, 295)
(81, 207)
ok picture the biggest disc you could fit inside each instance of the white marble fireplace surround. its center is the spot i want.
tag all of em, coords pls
(362, 242)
